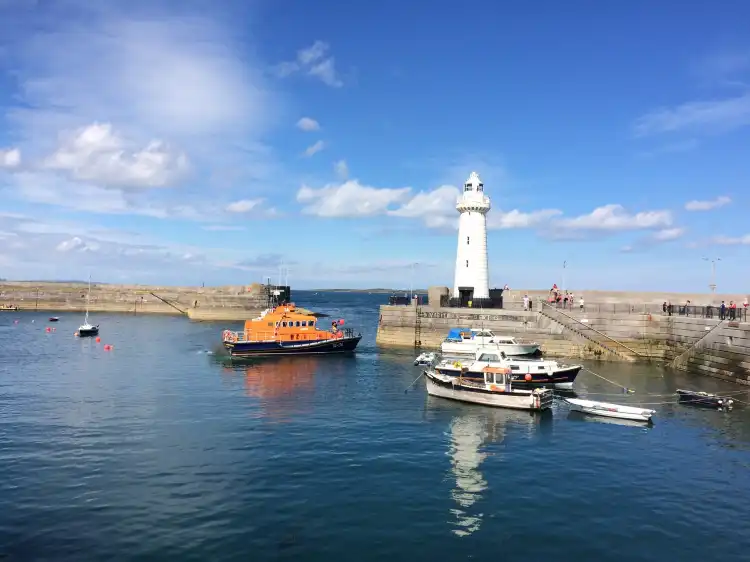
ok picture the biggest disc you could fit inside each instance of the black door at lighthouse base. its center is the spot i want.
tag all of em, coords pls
(465, 295)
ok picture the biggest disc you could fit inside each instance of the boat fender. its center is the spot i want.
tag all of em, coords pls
(457, 364)
(527, 377)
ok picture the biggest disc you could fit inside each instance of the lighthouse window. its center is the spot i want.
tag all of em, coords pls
(467, 263)
(467, 240)
(467, 187)
(480, 187)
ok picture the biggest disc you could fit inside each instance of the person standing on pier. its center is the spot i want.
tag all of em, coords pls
(580, 303)
(526, 302)
(722, 311)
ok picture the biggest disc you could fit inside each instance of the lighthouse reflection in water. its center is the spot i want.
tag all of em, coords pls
(471, 431)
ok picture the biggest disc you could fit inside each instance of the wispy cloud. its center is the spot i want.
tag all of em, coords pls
(614, 217)
(314, 148)
(698, 117)
(341, 169)
(107, 99)
(313, 61)
(707, 205)
(677, 147)
(223, 228)
(244, 205)
(668, 234)
(731, 240)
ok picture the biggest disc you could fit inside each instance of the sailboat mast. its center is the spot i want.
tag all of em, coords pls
(88, 297)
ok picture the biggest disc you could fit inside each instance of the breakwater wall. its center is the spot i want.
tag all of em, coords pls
(697, 344)
(234, 303)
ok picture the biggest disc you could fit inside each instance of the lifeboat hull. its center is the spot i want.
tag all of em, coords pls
(265, 348)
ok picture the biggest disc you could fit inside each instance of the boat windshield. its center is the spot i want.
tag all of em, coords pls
(488, 357)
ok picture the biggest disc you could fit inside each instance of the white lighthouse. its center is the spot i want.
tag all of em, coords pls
(472, 278)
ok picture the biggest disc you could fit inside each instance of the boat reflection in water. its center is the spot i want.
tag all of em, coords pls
(471, 429)
(282, 386)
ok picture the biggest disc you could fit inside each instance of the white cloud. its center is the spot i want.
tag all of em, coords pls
(96, 154)
(707, 205)
(699, 117)
(315, 148)
(435, 208)
(668, 234)
(308, 124)
(614, 217)
(244, 205)
(732, 241)
(313, 61)
(10, 158)
(341, 169)
(425, 204)
(518, 219)
(75, 244)
(178, 73)
(350, 199)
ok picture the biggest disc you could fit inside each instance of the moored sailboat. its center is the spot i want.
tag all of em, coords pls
(87, 329)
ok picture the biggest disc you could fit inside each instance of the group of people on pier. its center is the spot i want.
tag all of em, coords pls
(726, 311)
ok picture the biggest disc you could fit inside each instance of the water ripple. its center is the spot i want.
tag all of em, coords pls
(158, 452)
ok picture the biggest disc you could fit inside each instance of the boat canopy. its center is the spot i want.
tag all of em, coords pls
(458, 334)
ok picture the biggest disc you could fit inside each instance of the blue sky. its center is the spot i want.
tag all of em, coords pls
(196, 141)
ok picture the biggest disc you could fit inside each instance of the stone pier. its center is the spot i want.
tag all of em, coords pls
(608, 331)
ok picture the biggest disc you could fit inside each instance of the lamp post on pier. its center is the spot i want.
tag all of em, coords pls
(712, 285)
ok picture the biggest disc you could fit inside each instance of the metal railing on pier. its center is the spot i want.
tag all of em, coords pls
(738, 314)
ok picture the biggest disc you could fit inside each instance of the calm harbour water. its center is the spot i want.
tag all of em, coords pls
(158, 450)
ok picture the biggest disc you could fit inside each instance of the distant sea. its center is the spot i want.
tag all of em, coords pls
(161, 449)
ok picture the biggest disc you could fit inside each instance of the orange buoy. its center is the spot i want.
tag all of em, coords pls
(98, 339)
(527, 378)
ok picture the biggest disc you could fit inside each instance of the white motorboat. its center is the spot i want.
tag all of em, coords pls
(526, 373)
(426, 358)
(467, 341)
(608, 410)
(495, 389)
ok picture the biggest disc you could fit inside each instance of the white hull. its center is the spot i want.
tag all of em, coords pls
(610, 410)
(471, 348)
(516, 402)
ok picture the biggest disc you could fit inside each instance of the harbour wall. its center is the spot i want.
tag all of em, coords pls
(233, 303)
(708, 346)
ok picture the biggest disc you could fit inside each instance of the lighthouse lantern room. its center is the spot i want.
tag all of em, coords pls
(471, 283)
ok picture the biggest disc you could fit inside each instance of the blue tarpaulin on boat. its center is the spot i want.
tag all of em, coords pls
(454, 334)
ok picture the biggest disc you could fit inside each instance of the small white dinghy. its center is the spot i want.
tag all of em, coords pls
(610, 410)
(426, 358)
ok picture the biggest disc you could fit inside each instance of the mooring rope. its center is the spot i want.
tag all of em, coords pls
(625, 389)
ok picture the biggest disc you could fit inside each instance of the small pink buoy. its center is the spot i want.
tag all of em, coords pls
(15, 321)
(98, 339)
(107, 347)
(76, 334)
(48, 329)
